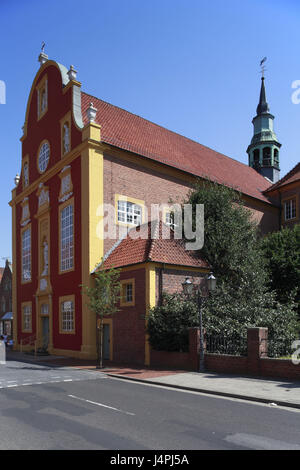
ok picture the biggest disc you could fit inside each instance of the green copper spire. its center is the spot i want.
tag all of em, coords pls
(263, 150)
(263, 106)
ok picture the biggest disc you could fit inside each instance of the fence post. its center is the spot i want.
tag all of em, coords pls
(257, 342)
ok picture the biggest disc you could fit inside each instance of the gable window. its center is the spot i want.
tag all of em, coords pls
(43, 157)
(26, 255)
(42, 97)
(129, 213)
(66, 238)
(290, 209)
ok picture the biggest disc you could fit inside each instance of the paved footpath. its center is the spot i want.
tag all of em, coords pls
(276, 392)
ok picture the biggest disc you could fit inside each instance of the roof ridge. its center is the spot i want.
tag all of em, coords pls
(282, 180)
(169, 130)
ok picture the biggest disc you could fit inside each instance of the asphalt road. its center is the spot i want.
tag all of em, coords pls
(66, 409)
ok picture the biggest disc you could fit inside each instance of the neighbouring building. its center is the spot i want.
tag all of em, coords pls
(82, 157)
(286, 192)
(6, 316)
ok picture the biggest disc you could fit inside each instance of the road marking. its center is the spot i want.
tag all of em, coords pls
(253, 441)
(101, 404)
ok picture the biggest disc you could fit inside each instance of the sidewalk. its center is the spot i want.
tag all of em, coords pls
(278, 392)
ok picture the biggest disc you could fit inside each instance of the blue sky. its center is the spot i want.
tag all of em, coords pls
(189, 65)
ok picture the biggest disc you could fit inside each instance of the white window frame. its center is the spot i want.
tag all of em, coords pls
(44, 157)
(27, 317)
(67, 316)
(129, 213)
(67, 238)
(26, 255)
(290, 209)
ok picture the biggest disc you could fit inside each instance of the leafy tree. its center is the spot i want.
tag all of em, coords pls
(243, 297)
(168, 323)
(232, 248)
(230, 235)
(281, 251)
(103, 297)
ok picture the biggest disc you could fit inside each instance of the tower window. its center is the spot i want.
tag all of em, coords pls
(276, 157)
(256, 156)
(267, 156)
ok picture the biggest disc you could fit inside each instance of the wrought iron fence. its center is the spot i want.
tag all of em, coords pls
(233, 345)
(279, 347)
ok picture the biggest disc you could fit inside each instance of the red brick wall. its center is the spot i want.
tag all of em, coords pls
(172, 280)
(154, 187)
(129, 323)
(255, 364)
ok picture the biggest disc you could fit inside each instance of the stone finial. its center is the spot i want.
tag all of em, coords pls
(91, 113)
(72, 73)
(42, 58)
(17, 179)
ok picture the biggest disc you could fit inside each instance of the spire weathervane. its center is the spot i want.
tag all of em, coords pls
(43, 47)
(263, 67)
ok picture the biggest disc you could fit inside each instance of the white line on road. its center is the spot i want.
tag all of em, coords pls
(101, 404)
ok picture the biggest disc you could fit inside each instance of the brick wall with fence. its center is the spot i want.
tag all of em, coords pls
(252, 358)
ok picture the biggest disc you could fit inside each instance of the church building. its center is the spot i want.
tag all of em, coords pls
(81, 156)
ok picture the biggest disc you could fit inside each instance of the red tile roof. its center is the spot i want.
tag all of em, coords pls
(130, 132)
(156, 248)
(290, 177)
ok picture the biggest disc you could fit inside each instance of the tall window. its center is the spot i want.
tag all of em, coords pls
(27, 317)
(25, 175)
(127, 293)
(256, 158)
(129, 213)
(67, 316)
(276, 157)
(290, 209)
(26, 255)
(66, 238)
(267, 156)
(44, 156)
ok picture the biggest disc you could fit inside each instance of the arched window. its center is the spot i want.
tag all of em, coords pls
(43, 158)
(276, 157)
(256, 158)
(267, 156)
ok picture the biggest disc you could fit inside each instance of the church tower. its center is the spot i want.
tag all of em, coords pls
(263, 150)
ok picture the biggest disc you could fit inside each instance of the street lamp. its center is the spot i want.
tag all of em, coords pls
(188, 288)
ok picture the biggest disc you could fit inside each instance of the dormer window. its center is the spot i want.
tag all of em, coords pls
(43, 157)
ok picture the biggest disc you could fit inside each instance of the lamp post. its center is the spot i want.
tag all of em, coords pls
(188, 289)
